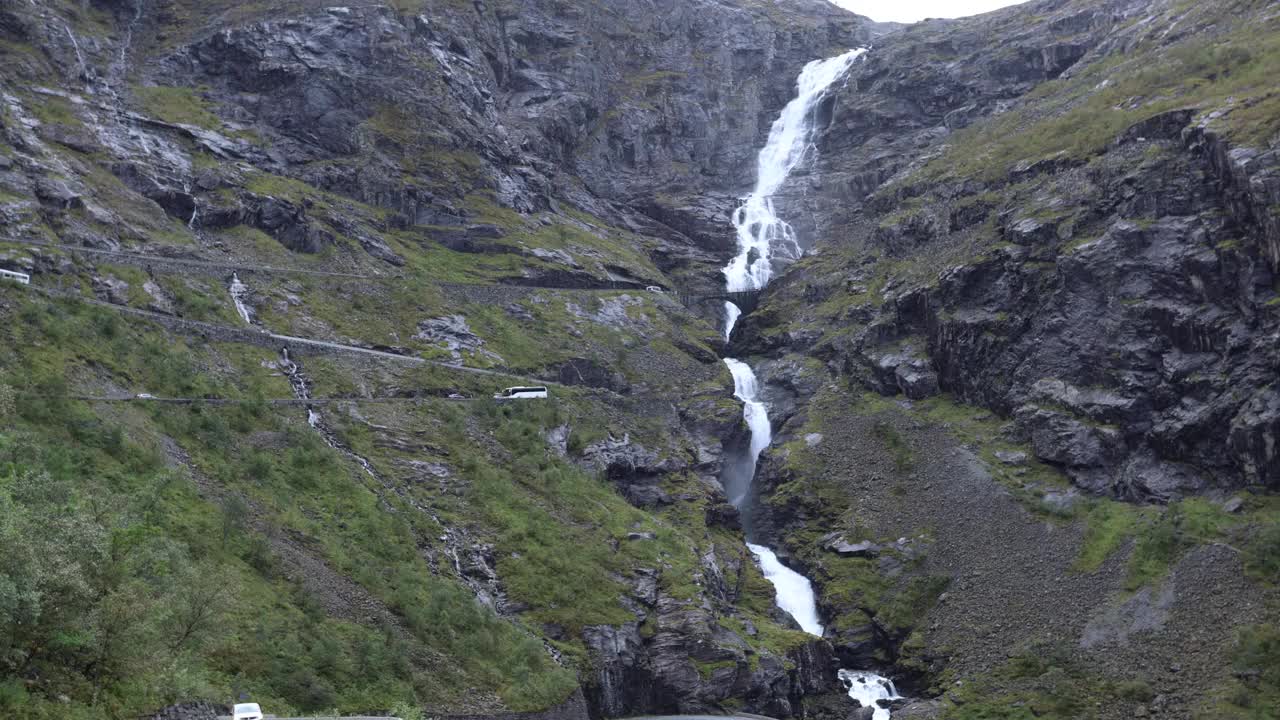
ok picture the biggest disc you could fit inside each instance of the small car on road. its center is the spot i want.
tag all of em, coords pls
(246, 711)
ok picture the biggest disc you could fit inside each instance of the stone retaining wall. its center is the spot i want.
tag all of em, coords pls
(197, 710)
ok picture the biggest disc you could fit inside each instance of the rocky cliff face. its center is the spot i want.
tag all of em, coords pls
(1073, 229)
(452, 182)
(1043, 280)
(1048, 234)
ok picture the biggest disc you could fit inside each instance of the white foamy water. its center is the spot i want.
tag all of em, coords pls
(745, 388)
(794, 593)
(763, 237)
(238, 292)
(761, 234)
(867, 688)
(731, 314)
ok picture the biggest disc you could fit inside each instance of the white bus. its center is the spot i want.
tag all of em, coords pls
(521, 393)
(23, 278)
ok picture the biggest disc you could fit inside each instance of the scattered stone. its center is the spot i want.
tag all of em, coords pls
(1011, 457)
(452, 333)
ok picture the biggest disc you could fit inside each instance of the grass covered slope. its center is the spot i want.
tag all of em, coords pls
(161, 552)
(398, 548)
(165, 551)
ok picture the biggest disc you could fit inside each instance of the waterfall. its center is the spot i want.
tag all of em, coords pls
(84, 69)
(867, 688)
(238, 292)
(731, 313)
(760, 232)
(794, 592)
(763, 239)
(753, 410)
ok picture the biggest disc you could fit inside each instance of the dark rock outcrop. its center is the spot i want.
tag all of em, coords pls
(1120, 304)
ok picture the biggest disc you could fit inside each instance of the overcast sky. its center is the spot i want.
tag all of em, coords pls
(913, 10)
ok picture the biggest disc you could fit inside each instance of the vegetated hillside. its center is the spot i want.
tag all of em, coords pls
(269, 244)
(1026, 383)
(1030, 370)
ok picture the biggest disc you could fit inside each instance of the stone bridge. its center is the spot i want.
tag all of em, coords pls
(746, 300)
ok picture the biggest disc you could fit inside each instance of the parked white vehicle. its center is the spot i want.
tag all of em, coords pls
(654, 289)
(522, 393)
(246, 711)
(18, 277)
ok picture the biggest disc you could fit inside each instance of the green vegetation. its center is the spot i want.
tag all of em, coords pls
(179, 105)
(1109, 524)
(53, 110)
(172, 585)
(1160, 536)
(423, 153)
(897, 445)
(1262, 555)
(1043, 682)
(1074, 118)
(1255, 693)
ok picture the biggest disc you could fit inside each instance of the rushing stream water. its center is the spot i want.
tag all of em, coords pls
(763, 237)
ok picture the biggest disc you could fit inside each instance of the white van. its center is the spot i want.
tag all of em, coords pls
(521, 393)
(247, 711)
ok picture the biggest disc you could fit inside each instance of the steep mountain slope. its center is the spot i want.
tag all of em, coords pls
(269, 243)
(1058, 253)
(283, 253)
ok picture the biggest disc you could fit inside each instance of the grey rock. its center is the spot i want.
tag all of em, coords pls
(452, 334)
(842, 547)
(111, 289)
(1011, 457)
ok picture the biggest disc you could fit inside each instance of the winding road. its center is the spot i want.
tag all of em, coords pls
(261, 337)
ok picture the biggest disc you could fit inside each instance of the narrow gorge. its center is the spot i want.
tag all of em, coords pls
(893, 371)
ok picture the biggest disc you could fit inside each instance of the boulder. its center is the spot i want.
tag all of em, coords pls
(837, 544)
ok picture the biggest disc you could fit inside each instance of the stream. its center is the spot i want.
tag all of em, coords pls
(763, 239)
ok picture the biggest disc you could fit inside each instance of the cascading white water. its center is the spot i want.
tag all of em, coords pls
(731, 313)
(761, 234)
(763, 238)
(794, 593)
(867, 688)
(238, 292)
(753, 410)
(793, 590)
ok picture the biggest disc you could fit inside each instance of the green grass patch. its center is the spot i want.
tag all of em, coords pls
(1108, 525)
(178, 105)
